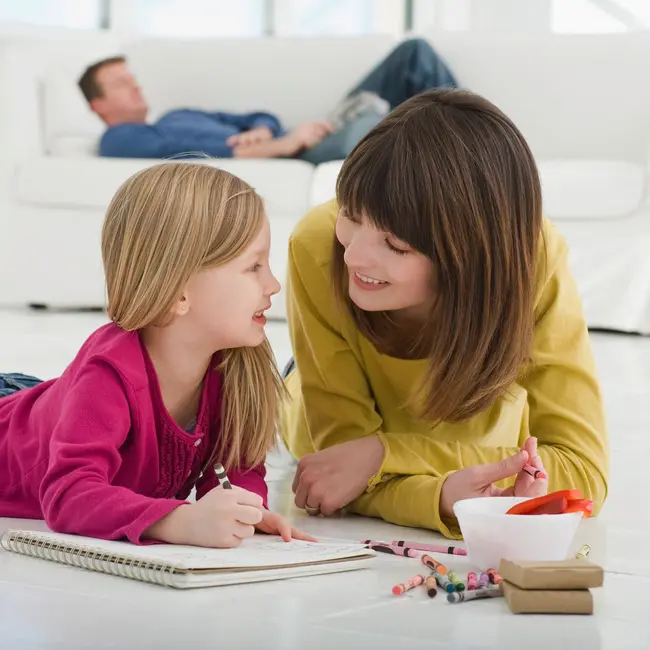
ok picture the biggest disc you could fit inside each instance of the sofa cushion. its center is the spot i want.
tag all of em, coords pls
(572, 189)
(323, 186)
(591, 189)
(89, 183)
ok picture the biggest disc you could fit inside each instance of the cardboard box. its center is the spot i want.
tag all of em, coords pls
(544, 601)
(566, 575)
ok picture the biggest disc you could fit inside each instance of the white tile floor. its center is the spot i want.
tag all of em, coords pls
(45, 606)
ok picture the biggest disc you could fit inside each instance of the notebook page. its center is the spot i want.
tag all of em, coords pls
(259, 551)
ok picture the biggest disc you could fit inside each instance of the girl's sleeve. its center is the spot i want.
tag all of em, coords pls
(76, 494)
(252, 480)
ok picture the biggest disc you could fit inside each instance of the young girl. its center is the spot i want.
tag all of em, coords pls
(437, 330)
(183, 377)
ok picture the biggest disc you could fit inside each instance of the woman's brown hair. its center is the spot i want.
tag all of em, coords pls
(163, 225)
(448, 173)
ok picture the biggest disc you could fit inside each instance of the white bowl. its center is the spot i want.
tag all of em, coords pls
(490, 534)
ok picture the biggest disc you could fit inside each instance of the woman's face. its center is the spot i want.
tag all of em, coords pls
(385, 274)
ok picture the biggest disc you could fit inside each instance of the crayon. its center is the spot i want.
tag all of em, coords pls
(431, 585)
(483, 581)
(434, 565)
(472, 581)
(584, 551)
(444, 582)
(456, 581)
(222, 476)
(406, 552)
(463, 596)
(433, 548)
(393, 550)
(413, 582)
(534, 472)
(495, 578)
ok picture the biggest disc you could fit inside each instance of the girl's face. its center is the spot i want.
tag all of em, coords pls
(226, 305)
(385, 274)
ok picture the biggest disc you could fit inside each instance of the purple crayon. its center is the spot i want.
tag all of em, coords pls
(483, 581)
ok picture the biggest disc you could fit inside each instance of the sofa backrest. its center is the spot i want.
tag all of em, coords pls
(573, 96)
(297, 79)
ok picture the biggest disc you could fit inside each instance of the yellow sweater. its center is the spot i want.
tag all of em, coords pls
(344, 389)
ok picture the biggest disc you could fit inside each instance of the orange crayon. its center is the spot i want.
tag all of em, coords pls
(434, 565)
(414, 582)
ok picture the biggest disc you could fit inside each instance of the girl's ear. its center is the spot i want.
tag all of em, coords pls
(181, 306)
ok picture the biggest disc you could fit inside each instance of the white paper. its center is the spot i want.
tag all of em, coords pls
(259, 551)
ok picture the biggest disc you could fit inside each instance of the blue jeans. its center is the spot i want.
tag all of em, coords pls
(409, 69)
(13, 382)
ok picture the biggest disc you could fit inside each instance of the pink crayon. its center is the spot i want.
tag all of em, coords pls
(415, 581)
(383, 547)
(534, 472)
(472, 581)
(433, 548)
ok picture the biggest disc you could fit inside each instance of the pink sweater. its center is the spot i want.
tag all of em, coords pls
(95, 452)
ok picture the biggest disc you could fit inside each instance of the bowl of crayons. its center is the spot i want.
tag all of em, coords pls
(517, 528)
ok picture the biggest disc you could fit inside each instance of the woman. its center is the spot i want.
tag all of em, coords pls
(437, 330)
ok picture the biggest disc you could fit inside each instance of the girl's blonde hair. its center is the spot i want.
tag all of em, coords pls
(163, 225)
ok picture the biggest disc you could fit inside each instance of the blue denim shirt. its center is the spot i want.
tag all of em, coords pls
(185, 133)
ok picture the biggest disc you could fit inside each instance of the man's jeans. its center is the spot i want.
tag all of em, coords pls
(411, 68)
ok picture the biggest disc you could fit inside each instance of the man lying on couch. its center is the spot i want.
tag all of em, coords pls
(115, 96)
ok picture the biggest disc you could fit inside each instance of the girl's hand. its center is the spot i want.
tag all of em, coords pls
(330, 479)
(477, 481)
(274, 524)
(221, 519)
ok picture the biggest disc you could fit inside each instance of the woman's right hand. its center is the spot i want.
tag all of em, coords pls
(221, 519)
(478, 480)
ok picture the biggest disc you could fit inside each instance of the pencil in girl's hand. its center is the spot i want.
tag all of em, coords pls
(222, 476)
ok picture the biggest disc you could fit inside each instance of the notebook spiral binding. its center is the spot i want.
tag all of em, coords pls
(125, 566)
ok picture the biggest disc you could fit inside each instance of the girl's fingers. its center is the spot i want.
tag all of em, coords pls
(284, 528)
(298, 534)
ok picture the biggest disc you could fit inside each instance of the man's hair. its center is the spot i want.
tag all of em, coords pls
(88, 80)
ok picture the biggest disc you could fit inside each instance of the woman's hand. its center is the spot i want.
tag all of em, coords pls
(274, 524)
(478, 480)
(330, 479)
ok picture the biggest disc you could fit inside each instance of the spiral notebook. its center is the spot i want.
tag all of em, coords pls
(258, 559)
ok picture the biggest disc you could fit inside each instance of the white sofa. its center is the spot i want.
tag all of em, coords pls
(582, 101)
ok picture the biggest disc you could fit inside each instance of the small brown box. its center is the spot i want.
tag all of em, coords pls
(544, 601)
(568, 574)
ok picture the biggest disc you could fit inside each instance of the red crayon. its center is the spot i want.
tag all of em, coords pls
(415, 581)
(472, 581)
(495, 578)
(534, 472)
(433, 548)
